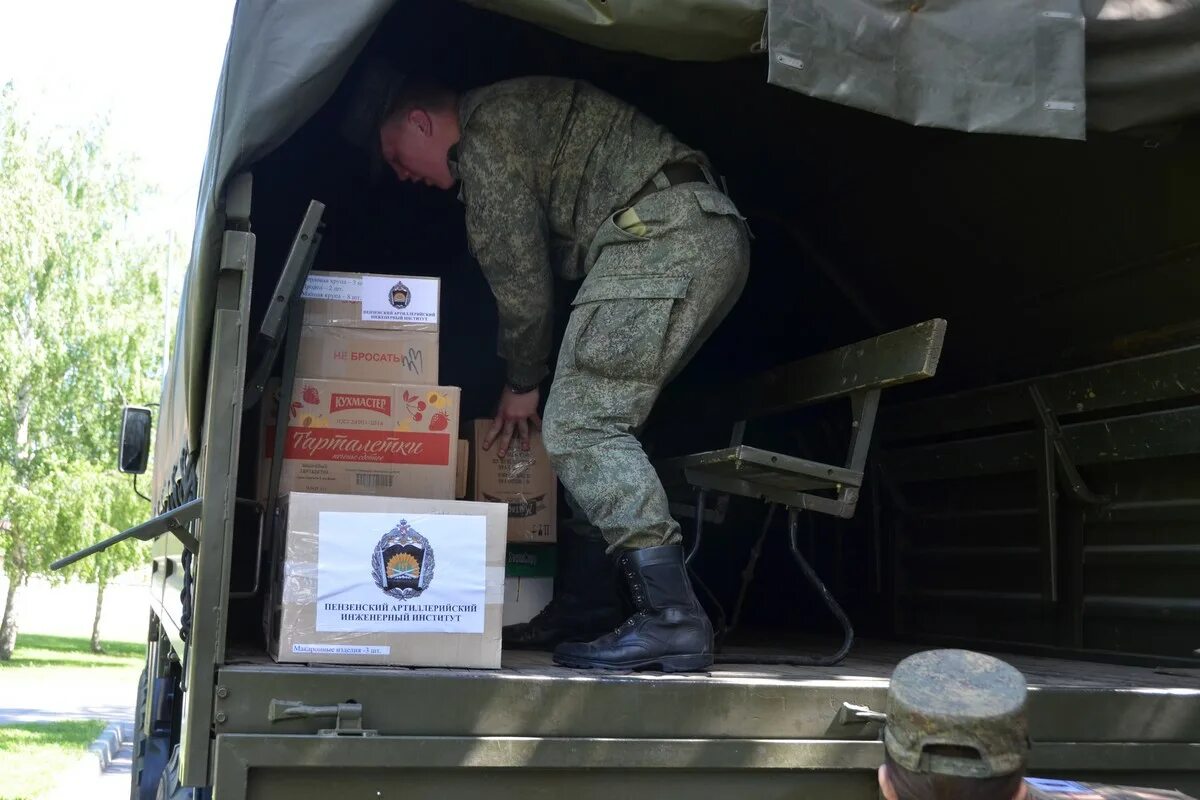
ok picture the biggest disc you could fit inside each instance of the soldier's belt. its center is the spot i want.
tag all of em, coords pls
(676, 173)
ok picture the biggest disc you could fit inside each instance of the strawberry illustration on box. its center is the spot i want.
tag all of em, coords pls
(426, 410)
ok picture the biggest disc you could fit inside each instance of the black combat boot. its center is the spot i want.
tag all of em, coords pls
(669, 630)
(587, 600)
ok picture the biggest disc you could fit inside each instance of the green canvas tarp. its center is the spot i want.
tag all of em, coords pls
(285, 59)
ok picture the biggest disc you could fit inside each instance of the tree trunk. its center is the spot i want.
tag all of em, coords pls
(100, 587)
(15, 557)
(8, 626)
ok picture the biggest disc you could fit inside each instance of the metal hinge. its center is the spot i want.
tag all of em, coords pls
(347, 716)
(1052, 430)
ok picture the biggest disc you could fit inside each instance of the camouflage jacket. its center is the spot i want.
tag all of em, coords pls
(1041, 789)
(541, 163)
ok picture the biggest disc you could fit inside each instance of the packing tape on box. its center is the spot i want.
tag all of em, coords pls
(365, 597)
(300, 582)
(494, 593)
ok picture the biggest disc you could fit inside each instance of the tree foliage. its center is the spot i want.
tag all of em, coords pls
(80, 337)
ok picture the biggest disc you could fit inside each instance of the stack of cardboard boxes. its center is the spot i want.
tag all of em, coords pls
(381, 564)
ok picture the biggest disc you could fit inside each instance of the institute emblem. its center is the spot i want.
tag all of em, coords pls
(402, 565)
(399, 295)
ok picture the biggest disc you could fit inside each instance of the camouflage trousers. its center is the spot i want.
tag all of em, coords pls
(647, 304)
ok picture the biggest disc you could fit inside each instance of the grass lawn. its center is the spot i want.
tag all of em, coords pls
(34, 650)
(34, 756)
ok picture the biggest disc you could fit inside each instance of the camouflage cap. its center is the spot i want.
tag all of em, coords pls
(955, 712)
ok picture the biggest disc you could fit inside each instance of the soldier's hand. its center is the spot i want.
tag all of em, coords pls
(517, 415)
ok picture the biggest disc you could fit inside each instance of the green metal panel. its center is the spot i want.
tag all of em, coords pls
(299, 767)
(1152, 435)
(1096, 704)
(1154, 378)
(222, 435)
(517, 702)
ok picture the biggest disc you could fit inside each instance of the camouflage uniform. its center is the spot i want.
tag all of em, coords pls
(547, 169)
(962, 699)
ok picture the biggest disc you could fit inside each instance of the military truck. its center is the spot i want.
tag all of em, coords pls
(957, 404)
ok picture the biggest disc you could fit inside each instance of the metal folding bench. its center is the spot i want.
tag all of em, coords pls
(858, 371)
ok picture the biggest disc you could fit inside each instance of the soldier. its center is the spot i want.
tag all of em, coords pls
(558, 176)
(956, 729)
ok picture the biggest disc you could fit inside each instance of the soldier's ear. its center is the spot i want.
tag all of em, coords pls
(885, 784)
(419, 118)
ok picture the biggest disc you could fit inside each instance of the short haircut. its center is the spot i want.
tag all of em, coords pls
(934, 786)
(422, 93)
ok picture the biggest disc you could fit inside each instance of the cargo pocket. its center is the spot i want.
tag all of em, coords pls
(624, 324)
(630, 225)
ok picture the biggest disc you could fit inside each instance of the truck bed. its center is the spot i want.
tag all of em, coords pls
(871, 661)
(530, 696)
(874, 661)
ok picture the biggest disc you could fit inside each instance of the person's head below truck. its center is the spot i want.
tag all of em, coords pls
(557, 176)
(956, 730)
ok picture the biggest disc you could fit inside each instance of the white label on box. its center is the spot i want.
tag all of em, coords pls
(388, 299)
(331, 287)
(401, 573)
(342, 649)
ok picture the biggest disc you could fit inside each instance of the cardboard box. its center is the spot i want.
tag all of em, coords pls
(523, 479)
(528, 581)
(369, 300)
(389, 581)
(367, 354)
(353, 437)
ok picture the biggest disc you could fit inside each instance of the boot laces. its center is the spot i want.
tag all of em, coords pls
(631, 622)
(549, 611)
(640, 601)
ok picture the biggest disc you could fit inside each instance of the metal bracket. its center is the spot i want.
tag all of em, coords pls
(851, 714)
(174, 521)
(1066, 465)
(713, 512)
(260, 510)
(288, 288)
(1055, 459)
(347, 716)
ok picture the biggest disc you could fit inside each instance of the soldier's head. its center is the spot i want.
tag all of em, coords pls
(418, 128)
(955, 729)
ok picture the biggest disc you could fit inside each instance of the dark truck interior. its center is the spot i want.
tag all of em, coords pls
(1058, 521)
